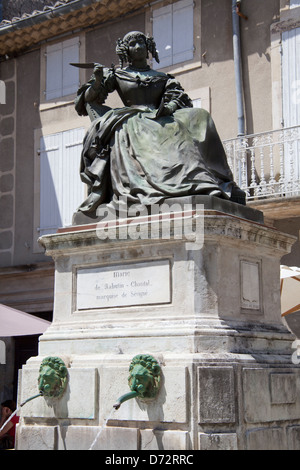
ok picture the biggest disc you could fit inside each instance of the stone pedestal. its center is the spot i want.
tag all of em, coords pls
(204, 302)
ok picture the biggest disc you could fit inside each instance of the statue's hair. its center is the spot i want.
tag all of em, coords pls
(123, 45)
(56, 363)
(146, 361)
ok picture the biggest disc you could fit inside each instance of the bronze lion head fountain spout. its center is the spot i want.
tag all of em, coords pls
(144, 379)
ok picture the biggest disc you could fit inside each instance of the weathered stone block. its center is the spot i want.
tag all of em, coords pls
(266, 439)
(7, 154)
(6, 183)
(283, 388)
(7, 69)
(78, 401)
(5, 240)
(36, 437)
(97, 438)
(6, 211)
(7, 126)
(5, 258)
(271, 395)
(216, 394)
(293, 437)
(9, 107)
(217, 441)
(114, 383)
(164, 440)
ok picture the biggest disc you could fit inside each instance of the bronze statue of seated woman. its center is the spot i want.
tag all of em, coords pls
(155, 147)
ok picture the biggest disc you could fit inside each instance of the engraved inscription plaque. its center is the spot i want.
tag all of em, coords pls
(142, 283)
(250, 285)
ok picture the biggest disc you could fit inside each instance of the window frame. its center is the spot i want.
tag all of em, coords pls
(196, 61)
(38, 134)
(48, 103)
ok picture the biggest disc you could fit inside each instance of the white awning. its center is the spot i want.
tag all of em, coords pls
(16, 323)
(289, 289)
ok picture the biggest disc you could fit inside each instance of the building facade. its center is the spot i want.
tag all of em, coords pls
(250, 73)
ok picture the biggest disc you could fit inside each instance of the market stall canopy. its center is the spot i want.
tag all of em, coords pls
(289, 289)
(16, 323)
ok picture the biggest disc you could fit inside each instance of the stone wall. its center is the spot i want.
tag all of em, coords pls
(7, 163)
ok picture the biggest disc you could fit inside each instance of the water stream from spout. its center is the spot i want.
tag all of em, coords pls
(102, 429)
(18, 409)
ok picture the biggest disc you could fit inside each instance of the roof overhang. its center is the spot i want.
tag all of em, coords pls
(25, 33)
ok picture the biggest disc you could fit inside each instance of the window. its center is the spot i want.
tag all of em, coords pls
(61, 78)
(173, 32)
(61, 190)
(294, 3)
(290, 98)
(197, 103)
(200, 97)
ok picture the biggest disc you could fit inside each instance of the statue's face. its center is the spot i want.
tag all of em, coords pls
(140, 379)
(137, 49)
(52, 382)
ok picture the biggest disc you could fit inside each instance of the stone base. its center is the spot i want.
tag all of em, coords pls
(209, 203)
(212, 321)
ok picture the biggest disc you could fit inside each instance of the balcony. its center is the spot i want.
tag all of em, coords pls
(267, 167)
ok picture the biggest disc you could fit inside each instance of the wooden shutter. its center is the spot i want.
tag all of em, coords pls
(70, 77)
(173, 32)
(291, 101)
(163, 36)
(61, 78)
(183, 35)
(61, 190)
(54, 71)
(291, 77)
(73, 189)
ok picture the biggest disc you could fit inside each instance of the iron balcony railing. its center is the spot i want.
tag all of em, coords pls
(266, 165)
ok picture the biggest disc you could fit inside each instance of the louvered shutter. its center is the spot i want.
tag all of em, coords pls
(61, 78)
(54, 71)
(291, 77)
(163, 35)
(70, 78)
(61, 190)
(291, 100)
(183, 36)
(173, 33)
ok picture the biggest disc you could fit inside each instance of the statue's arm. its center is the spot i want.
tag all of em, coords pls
(96, 90)
(92, 93)
(175, 97)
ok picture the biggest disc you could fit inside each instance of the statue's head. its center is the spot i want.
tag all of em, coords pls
(122, 48)
(144, 376)
(53, 376)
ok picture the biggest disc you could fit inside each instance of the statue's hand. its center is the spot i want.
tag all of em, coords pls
(98, 72)
(168, 109)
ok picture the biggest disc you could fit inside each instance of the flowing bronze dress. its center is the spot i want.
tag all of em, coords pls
(135, 153)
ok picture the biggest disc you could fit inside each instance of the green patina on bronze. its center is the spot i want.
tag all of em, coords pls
(53, 377)
(144, 379)
(157, 145)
